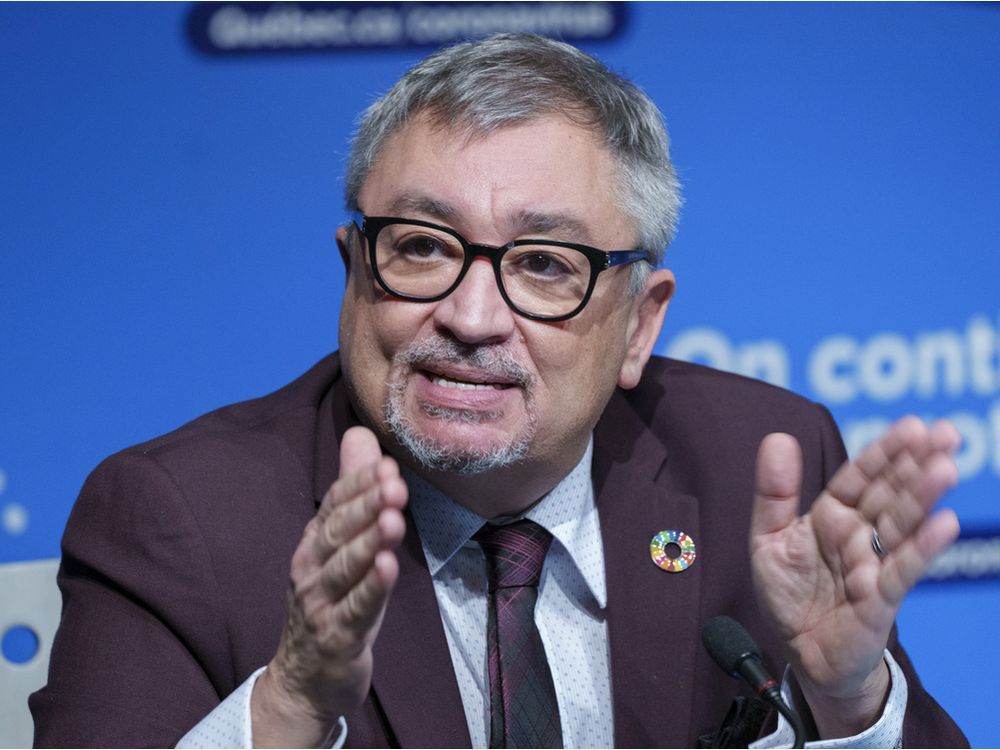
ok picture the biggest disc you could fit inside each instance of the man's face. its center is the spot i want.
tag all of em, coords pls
(466, 377)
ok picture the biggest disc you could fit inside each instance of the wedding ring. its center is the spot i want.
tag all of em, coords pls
(877, 544)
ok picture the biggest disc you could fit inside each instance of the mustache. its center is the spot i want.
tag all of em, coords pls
(491, 360)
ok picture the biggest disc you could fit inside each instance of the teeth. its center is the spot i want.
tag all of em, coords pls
(462, 385)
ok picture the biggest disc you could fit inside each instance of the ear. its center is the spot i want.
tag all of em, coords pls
(343, 241)
(645, 322)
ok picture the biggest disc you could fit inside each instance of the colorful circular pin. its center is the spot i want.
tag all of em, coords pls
(658, 550)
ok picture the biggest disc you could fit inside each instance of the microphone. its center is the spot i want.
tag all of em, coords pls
(732, 648)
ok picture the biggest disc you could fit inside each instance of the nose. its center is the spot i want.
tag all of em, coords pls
(475, 313)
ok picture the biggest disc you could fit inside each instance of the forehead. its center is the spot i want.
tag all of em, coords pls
(546, 174)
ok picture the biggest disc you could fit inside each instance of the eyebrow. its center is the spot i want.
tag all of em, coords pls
(425, 205)
(551, 224)
(522, 223)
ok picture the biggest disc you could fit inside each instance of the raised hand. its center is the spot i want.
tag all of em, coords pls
(818, 578)
(341, 576)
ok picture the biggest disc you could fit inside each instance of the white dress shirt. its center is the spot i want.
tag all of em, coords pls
(570, 614)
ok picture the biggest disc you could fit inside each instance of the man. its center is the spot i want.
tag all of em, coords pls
(502, 304)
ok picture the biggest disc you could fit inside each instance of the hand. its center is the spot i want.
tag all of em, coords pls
(341, 576)
(817, 577)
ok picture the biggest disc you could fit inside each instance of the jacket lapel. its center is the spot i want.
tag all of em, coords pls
(653, 615)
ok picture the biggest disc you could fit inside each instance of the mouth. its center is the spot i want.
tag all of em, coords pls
(462, 405)
(466, 380)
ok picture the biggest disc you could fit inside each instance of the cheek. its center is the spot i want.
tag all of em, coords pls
(365, 319)
(373, 329)
(364, 357)
(579, 370)
(576, 376)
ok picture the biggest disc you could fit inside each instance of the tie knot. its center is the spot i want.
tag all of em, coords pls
(514, 553)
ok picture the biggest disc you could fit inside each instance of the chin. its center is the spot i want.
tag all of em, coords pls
(459, 441)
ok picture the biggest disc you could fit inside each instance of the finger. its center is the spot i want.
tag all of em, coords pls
(359, 458)
(362, 609)
(884, 489)
(945, 436)
(349, 487)
(851, 481)
(898, 499)
(778, 483)
(359, 454)
(920, 447)
(904, 566)
(349, 564)
(901, 517)
(351, 517)
(353, 623)
(346, 567)
(359, 448)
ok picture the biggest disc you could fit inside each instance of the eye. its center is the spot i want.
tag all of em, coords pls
(544, 265)
(420, 246)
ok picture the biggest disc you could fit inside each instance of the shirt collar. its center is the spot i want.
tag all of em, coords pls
(568, 512)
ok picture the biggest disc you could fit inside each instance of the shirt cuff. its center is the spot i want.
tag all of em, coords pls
(230, 724)
(886, 732)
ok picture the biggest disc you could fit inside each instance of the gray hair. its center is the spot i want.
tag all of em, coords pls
(508, 79)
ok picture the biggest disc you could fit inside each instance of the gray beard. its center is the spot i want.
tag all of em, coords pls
(433, 455)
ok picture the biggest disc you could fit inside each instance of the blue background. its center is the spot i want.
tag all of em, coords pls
(166, 243)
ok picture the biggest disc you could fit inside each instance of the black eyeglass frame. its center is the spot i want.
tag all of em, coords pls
(600, 260)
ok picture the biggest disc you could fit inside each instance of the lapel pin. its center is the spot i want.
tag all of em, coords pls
(678, 542)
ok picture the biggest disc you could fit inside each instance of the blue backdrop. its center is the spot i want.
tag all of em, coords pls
(171, 185)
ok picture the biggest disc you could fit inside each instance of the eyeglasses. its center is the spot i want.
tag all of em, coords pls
(539, 279)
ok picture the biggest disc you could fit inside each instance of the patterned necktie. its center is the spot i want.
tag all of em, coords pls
(523, 708)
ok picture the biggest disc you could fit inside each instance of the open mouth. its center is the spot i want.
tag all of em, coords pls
(465, 382)
(465, 385)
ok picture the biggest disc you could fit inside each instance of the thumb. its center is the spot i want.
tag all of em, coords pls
(358, 448)
(779, 481)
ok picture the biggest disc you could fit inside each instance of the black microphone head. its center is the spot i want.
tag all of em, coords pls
(728, 643)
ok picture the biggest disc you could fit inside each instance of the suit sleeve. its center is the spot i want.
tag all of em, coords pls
(141, 628)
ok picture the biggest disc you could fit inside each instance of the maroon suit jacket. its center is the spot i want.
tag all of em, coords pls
(175, 567)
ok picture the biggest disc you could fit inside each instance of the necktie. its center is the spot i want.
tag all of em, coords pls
(523, 708)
